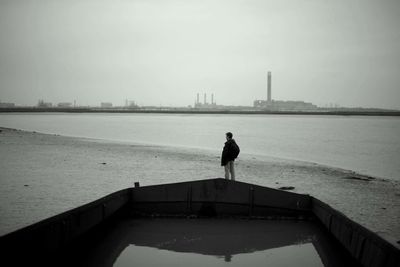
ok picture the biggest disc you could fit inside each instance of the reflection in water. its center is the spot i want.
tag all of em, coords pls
(294, 255)
(233, 242)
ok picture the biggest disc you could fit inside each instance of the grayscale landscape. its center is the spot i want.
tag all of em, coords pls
(98, 95)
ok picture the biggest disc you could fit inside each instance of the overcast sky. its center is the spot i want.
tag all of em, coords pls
(159, 52)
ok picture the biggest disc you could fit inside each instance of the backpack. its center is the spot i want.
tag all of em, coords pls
(235, 150)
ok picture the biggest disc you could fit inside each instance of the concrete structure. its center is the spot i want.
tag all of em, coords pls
(64, 105)
(6, 105)
(106, 105)
(205, 104)
(214, 197)
(279, 105)
(42, 104)
(130, 104)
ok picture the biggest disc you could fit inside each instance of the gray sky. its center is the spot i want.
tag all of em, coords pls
(159, 52)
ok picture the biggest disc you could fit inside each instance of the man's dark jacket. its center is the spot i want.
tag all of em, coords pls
(228, 153)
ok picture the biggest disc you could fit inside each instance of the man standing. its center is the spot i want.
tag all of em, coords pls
(229, 154)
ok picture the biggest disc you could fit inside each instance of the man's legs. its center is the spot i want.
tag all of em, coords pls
(232, 170)
(226, 167)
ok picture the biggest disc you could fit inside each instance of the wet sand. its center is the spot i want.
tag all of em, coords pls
(43, 175)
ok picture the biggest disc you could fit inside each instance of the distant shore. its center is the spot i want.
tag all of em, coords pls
(43, 175)
(170, 110)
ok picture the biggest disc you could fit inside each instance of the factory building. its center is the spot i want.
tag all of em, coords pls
(106, 105)
(205, 103)
(279, 105)
(64, 105)
(6, 105)
(42, 104)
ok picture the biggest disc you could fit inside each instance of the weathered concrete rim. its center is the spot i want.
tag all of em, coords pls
(212, 197)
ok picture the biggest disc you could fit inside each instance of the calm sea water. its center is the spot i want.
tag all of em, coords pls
(368, 145)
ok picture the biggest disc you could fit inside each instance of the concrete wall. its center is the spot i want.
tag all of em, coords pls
(218, 197)
(367, 247)
(49, 235)
(205, 198)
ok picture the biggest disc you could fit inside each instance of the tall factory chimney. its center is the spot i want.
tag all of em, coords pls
(212, 99)
(269, 87)
(205, 98)
(198, 98)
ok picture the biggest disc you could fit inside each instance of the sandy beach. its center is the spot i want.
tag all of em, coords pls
(43, 175)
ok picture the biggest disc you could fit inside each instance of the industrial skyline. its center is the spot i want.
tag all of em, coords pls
(268, 105)
(258, 104)
(161, 53)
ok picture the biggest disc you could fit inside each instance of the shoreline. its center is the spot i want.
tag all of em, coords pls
(245, 111)
(355, 174)
(46, 174)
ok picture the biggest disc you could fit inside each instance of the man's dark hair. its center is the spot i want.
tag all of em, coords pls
(229, 134)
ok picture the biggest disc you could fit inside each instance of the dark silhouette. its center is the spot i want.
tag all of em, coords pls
(229, 154)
